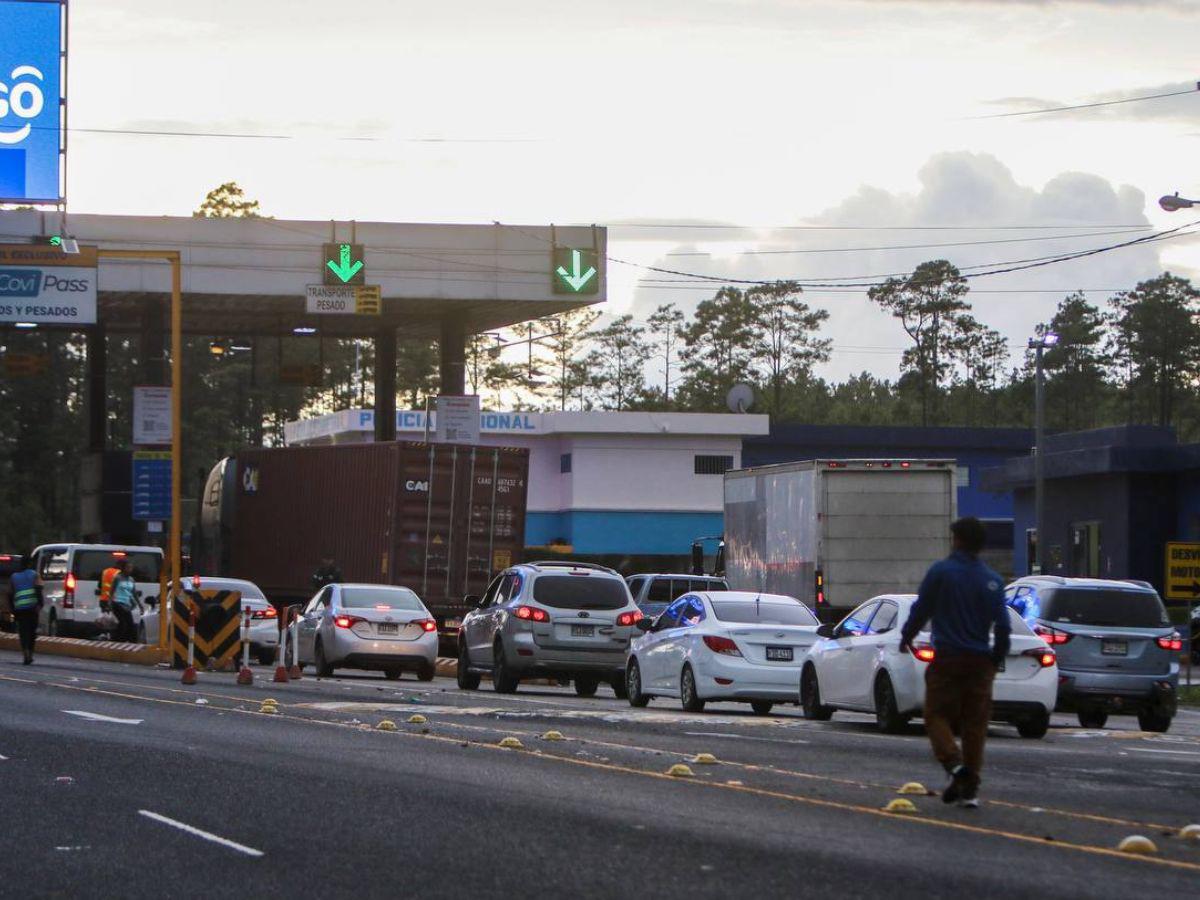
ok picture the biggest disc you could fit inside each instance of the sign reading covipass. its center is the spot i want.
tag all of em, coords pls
(31, 103)
(40, 284)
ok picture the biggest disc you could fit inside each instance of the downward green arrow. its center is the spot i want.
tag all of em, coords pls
(343, 268)
(576, 279)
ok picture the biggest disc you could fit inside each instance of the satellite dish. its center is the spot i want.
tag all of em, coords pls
(740, 398)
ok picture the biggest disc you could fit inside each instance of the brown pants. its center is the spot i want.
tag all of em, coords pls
(958, 700)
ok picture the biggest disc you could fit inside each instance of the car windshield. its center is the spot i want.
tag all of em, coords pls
(1104, 607)
(580, 592)
(746, 612)
(371, 597)
(89, 564)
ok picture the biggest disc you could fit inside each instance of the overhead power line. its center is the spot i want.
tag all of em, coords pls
(1098, 103)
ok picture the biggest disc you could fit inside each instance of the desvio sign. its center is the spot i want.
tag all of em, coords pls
(31, 110)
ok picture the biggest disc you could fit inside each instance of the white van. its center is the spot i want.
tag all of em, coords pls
(71, 577)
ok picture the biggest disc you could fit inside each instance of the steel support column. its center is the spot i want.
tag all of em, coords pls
(452, 349)
(385, 384)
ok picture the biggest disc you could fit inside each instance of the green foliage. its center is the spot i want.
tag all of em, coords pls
(619, 362)
(228, 201)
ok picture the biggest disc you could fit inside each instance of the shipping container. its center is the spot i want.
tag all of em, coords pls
(834, 533)
(437, 518)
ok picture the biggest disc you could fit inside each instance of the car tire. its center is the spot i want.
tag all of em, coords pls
(762, 707)
(887, 713)
(1092, 718)
(1034, 727)
(320, 663)
(1150, 720)
(620, 691)
(688, 694)
(265, 656)
(467, 680)
(502, 679)
(52, 628)
(426, 672)
(585, 686)
(633, 685)
(392, 674)
(810, 697)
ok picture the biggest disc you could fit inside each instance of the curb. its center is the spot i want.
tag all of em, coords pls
(106, 651)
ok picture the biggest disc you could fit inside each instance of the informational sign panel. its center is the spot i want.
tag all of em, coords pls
(343, 299)
(151, 415)
(1182, 581)
(343, 264)
(39, 283)
(575, 271)
(32, 103)
(151, 485)
(458, 420)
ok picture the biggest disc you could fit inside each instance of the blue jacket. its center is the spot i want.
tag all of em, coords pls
(965, 600)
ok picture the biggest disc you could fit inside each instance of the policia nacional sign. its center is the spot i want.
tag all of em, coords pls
(41, 284)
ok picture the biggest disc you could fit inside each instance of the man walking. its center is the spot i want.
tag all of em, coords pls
(124, 596)
(26, 590)
(965, 600)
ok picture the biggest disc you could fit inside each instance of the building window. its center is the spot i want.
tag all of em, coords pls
(713, 465)
(962, 477)
(564, 463)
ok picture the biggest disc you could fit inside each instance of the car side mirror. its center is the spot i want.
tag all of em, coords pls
(472, 601)
(644, 624)
(826, 630)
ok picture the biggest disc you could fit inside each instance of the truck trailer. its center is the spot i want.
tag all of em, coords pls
(833, 533)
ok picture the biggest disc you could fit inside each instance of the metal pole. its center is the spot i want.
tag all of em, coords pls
(1039, 464)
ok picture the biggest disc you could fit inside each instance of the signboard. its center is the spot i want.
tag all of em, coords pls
(575, 271)
(1182, 581)
(151, 485)
(151, 415)
(343, 299)
(458, 420)
(39, 283)
(368, 300)
(343, 264)
(32, 102)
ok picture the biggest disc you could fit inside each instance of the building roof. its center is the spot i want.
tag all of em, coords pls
(881, 438)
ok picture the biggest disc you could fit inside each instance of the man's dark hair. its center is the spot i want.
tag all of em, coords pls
(970, 534)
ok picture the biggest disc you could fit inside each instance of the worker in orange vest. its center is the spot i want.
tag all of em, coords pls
(106, 585)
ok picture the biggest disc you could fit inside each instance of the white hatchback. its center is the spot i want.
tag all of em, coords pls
(858, 665)
(722, 645)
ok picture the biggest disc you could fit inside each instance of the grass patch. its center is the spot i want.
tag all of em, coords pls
(1189, 696)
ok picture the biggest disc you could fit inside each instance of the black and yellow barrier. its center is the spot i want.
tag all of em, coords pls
(218, 627)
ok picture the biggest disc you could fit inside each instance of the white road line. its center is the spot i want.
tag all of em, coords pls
(743, 737)
(96, 717)
(216, 839)
(1172, 752)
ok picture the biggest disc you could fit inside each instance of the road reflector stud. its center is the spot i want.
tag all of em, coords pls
(268, 707)
(270, 701)
(1138, 844)
(1190, 833)
(386, 725)
(512, 743)
(417, 719)
(900, 805)
(553, 736)
(912, 787)
(705, 759)
(679, 770)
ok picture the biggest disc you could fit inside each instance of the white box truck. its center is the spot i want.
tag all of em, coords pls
(834, 533)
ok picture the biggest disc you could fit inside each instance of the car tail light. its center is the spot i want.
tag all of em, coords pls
(1046, 658)
(628, 618)
(118, 554)
(1173, 641)
(195, 582)
(1052, 636)
(269, 613)
(923, 652)
(532, 614)
(722, 645)
(426, 624)
(69, 591)
(346, 621)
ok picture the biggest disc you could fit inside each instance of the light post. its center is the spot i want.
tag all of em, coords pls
(1174, 203)
(1038, 345)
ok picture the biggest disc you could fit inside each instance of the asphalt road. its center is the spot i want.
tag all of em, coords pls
(192, 791)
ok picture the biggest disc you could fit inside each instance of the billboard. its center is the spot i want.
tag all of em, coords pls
(32, 101)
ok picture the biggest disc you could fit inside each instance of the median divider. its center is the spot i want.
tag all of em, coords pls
(81, 648)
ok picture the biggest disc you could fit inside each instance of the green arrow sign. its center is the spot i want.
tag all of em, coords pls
(343, 264)
(575, 271)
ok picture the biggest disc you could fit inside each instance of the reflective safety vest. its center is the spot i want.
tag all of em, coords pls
(24, 590)
(106, 581)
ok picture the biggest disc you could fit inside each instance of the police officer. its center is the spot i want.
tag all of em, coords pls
(327, 573)
(26, 591)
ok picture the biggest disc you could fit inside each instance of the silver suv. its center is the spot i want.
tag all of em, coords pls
(548, 619)
(654, 593)
(1117, 650)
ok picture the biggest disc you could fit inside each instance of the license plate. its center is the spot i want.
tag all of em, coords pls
(388, 629)
(779, 654)
(1114, 648)
(582, 630)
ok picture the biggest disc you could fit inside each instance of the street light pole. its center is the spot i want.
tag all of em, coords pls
(1039, 345)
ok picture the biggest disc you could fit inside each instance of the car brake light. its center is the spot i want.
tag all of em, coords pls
(923, 652)
(532, 614)
(1173, 641)
(69, 591)
(1046, 657)
(118, 554)
(346, 621)
(426, 624)
(1052, 636)
(628, 618)
(722, 645)
(269, 613)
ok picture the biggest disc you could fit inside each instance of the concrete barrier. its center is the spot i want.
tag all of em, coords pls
(108, 651)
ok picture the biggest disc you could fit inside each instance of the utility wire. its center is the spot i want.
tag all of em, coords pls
(1054, 109)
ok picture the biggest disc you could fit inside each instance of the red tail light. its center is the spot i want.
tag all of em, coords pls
(628, 618)
(722, 645)
(819, 584)
(118, 554)
(69, 591)
(1173, 642)
(1052, 636)
(426, 624)
(532, 614)
(347, 621)
(923, 652)
(1046, 658)
(269, 613)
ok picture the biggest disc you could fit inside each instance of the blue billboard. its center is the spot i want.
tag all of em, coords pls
(31, 108)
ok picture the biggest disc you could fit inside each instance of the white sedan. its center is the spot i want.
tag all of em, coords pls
(722, 645)
(858, 665)
(264, 618)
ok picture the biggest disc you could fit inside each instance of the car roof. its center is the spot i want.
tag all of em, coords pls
(206, 580)
(678, 575)
(127, 547)
(746, 597)
(546, 568)
(374, 587)
(1112, 584)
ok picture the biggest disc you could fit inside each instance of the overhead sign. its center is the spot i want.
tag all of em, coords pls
(151, 485)
(458, 419)
(151, 415)
(344, 299)
(32, 103)
(343, 264)
(40, 283)
(1182, 580)
(575, 271)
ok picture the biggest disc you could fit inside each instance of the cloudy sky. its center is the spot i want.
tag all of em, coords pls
(824, 131)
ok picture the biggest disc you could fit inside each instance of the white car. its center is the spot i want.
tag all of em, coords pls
(858, 665)
(264, 618)
(722, 645)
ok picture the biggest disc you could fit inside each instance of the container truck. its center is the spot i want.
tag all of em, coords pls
(436, 518)
(834, 533)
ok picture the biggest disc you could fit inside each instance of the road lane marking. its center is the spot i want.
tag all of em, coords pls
(1172, 752)
(743, 737)
(96, 717)
(206, 835)
(3, 758)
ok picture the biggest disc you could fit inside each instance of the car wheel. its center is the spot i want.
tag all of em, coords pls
(1092, 718)
(467, 680)
(887, 715)
(810, 697)
(52, 627)
(391, 674)
(1149, 720)
(619, 689)
(633, 685)
(265, 656)
(1034, 726)
(320, 663)
(687, 692)
(502, 679)
(762, 707)
(585, 686)
(426, 672)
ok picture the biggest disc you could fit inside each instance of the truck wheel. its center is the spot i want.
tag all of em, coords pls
(762, 707)
(1034, 726)
(810, 697)
(426, 672)
(887, 715)
(633, 685)
(392, 674)
(687, 692)
(467, 680)
(1092, 718)
(502, 679)
(1149, 720)
(324, 669)
(585, 686)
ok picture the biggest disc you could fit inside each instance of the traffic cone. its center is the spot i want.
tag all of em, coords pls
(245, 676)
(189, 675)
